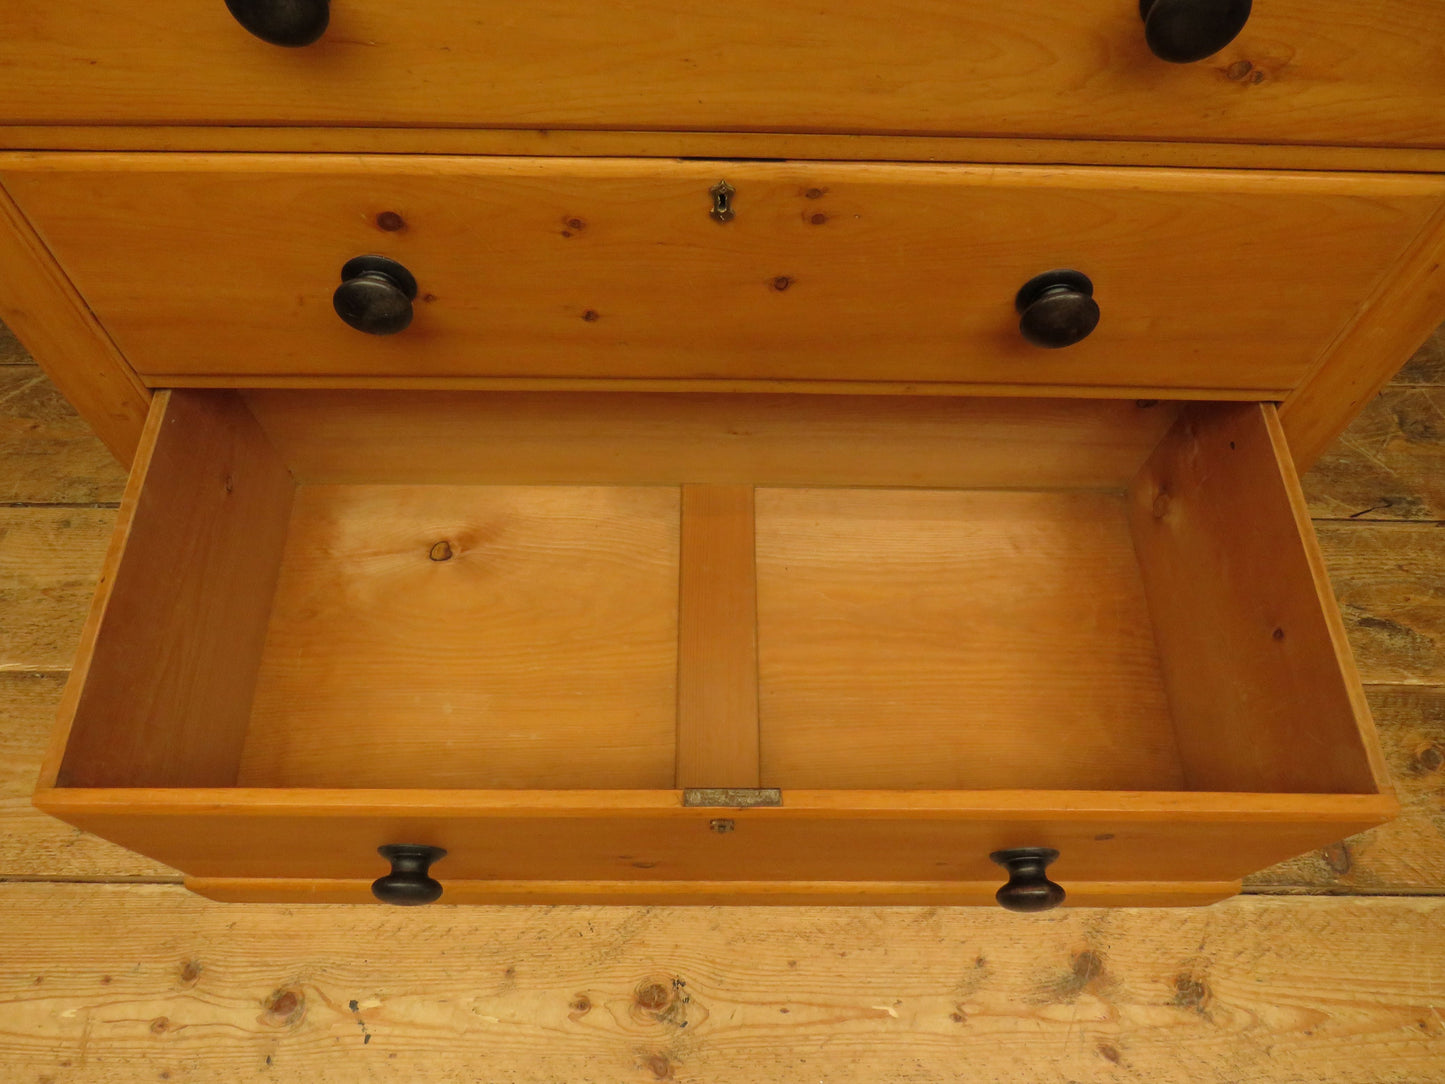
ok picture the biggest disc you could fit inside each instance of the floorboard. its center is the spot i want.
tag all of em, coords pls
(142, 983)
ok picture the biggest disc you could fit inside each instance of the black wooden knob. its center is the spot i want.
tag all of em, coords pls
(375, 295)
(283, 22)
(1057, 308)
(1183, 31)
(1028, 888)
(409, 884)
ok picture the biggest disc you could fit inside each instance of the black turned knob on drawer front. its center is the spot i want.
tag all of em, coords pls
(283, 22)
(1183, 31)
(1028, 888)
(409, 884)
(375, 295)
(1057, 308)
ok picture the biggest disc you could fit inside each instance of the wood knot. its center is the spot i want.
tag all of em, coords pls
(658, 1065)
(1191, 992)
(1427, 758)
(284, 1008)
(581, 1005)
(390, 221)
(652, 996)
(442, 551)
(191, 972)
(781, 283)
(591, 316)
(1161, 505)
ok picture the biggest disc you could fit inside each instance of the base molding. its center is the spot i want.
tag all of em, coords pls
(714, 893)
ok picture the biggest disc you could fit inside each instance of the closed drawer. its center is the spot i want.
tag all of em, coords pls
(225, 266)
(520, 626)
(1301, 71)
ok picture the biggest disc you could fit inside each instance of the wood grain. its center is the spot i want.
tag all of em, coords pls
(471, 636)
(34, 846)
(1427, 365)
(41, 304)
(934, 639)
(1301, 72)
(11, 352)
(717, 655)
(1407, 855)
(1391, 324)
(934, 389)
(1260, 680)
(1389, 464)
(1388, 579)
(548, 438)
(840, 146)
(1313, 991)
(718, 893)
(50, 455)
(648, 835)
(50, 562)
(162, 685)
(570, 267)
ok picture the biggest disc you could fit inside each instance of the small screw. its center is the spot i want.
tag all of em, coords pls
(721, 825)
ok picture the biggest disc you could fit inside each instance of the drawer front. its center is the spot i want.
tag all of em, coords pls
(226, 266)
(1301, 71)
(614, 837)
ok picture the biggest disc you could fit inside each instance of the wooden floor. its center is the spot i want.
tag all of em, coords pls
(1331, 969)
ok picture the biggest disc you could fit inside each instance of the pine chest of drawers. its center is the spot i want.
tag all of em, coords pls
(750, 454)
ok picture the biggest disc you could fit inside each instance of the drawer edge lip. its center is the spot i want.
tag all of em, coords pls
(717, 893)
(704, 385)
(667, 804)
(1185, 151)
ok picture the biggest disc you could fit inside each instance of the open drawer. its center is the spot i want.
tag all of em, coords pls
(652, 647)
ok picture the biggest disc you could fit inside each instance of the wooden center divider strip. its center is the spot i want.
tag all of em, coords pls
(717, 658)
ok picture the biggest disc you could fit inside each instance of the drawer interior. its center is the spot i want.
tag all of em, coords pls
(467, 590)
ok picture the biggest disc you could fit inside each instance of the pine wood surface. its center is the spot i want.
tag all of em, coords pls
(612, 267)
(839, 147)
(121, 984)
(1393, 322)
(136, 981)
(1261, 683)
(573, 695)
(67, 339)
(1301, 71)
(865, 592)
(717, 641)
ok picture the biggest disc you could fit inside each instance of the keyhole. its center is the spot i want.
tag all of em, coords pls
(722, 201)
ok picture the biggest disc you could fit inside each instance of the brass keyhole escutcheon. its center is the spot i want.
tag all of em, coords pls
(722, 201)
